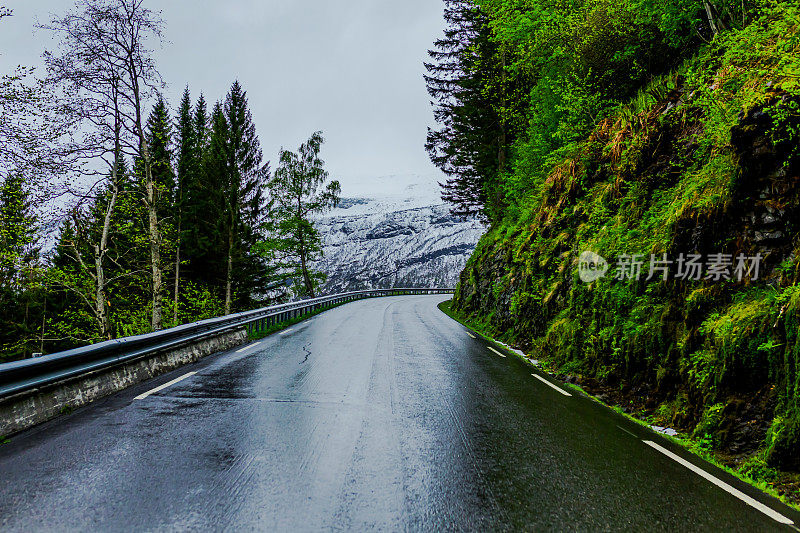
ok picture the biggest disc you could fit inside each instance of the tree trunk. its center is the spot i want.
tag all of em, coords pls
(151, 193)
(712, 21)
(100, 252)
(101, 303)
(304, 268)
(177, 275)
(44, 323)
(229, 273)
(155, 245)
(306, 277)
(154, 231)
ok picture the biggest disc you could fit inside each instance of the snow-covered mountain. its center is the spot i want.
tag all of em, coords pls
(397, 233)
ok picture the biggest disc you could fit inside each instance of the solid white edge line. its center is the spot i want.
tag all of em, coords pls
(240, 350)
(164, 386)
(559, 389)
(775, 515)
(495, 351)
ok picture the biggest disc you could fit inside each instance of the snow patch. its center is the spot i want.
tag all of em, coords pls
(665, 431)
(518, 352)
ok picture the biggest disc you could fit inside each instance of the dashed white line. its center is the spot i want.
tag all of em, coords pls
(471, 335)
(286, 332)
(240, 350)
(164, 386)
(559, 389)
(724, 486)
(495, 351)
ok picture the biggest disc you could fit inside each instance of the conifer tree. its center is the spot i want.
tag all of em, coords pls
(468, 83)
(243, 199)
(157, 188)
(72, 321)
(198, 205)
(19, 264)
(18, 231)
(211, 260)
(201, 125)
(187, 167)
(159, 139)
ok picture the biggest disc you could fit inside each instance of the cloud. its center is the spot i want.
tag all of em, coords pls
(351, 68)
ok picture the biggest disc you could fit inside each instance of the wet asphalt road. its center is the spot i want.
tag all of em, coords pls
(382, 414)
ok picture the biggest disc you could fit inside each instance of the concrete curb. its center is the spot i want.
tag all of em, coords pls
(29, 408)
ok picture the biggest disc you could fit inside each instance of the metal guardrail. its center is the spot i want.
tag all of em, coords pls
(27, 374)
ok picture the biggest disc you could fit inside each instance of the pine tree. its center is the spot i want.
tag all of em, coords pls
(187, 168)
(295, 197)
(18, 232)
(243, 200)
(71, 322)
(129, 246)
(159, 139)
(19, 266)
(472, 143)
(199, 226)
(201, 125)
(211, 260)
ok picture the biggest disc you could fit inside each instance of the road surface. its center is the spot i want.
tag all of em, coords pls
(382, 414)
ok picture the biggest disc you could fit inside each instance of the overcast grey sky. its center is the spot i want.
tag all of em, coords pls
(351, 68)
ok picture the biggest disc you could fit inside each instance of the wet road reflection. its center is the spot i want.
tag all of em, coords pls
(378, 415)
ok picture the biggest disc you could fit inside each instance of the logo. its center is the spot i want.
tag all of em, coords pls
(591, 267)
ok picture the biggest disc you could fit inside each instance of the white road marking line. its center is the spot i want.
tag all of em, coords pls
(286, 332)
(626, 431)
(495, 351)
(559, 389)
(240, 350)
(164, 386)
(471, 335)
(724, 486)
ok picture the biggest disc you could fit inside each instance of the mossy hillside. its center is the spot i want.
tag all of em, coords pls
(704, 160)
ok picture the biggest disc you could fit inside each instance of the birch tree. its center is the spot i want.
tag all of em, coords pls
(103, 57)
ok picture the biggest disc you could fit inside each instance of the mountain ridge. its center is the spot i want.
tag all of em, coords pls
(399, 233)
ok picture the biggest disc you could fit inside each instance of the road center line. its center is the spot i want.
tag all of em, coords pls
(495, 351)
(240, 350)
(471, 335)
(164, 386)
(559, 389)
(724, 486)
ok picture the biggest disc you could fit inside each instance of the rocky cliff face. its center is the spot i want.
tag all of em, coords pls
(718, 360)
(398, 234)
